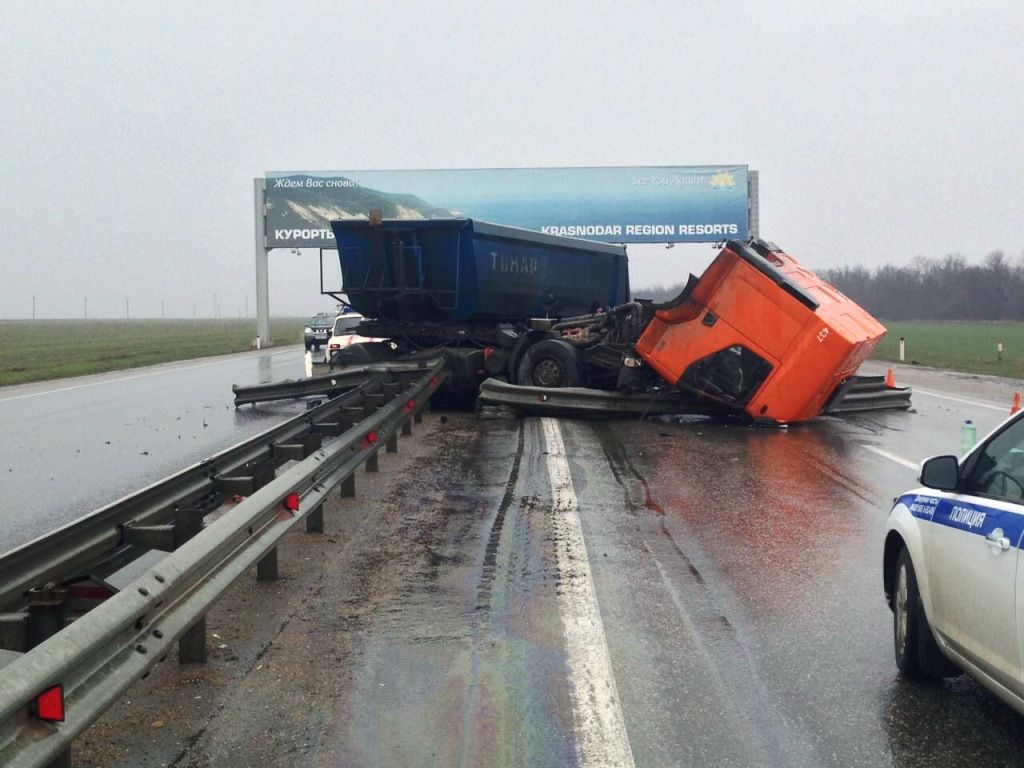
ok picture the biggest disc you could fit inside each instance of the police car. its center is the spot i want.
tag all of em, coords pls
(951, 563)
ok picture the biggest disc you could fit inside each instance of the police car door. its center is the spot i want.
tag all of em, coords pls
(973, 546)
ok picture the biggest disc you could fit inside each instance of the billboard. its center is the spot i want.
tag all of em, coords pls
(652, 204)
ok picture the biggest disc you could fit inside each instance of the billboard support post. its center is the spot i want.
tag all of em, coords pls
(262, 266)
(754, 198)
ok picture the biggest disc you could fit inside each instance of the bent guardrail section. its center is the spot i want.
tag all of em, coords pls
(331, 384)
(870, 393)
(583, 402)
(98, 656)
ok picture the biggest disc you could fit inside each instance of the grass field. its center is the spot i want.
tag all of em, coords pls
(52, 349)
(960, 346)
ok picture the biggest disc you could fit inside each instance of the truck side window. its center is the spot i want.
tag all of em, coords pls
(999, 468)
(733, 374)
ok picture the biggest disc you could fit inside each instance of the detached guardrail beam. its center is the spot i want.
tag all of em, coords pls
(330, 384)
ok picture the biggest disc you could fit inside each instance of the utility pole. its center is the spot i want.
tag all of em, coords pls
(85, 307)
(161, 309)
(33, 307)
(127, 310)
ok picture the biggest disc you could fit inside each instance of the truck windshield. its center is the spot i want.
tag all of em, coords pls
(734, 374)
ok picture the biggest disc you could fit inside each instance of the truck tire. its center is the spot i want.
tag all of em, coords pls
(550, 363)
(917, 654)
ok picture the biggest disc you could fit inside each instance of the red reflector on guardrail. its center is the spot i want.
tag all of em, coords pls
(409, 405)
(371, 438)
(291, 502)
(49, 705)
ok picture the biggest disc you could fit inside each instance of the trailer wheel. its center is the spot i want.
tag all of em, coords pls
(550, 363)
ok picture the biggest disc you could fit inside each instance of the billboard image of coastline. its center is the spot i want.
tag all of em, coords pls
(653, 204)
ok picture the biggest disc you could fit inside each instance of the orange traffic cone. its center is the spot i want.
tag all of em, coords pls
(1016, 403)
(890, 379)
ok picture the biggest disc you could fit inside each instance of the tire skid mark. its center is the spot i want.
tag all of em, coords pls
(768, 736)
(485, 587)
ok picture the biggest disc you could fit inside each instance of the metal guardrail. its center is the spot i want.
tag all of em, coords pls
(98, 656)
(102, 542)
(331, 384)
(863, 393)
(579, 401)
(870, 393)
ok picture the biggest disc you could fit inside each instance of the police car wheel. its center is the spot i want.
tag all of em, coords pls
(917, 654)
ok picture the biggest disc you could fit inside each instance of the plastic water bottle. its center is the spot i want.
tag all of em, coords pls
(968, 436)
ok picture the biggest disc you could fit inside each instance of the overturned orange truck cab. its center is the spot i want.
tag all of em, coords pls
(759, 332)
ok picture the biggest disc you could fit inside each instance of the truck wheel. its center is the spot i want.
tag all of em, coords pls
(550, 363)
(917, 654)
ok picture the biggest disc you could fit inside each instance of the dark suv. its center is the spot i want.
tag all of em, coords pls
(318, 330)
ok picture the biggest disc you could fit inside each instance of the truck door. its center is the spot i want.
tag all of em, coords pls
(973, 551)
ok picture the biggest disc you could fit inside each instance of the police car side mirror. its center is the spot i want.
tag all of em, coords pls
(941, 473)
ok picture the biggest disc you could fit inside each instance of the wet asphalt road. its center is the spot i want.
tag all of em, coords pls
(737, 573)
(532, 593)
(630, 593)
(68, 447)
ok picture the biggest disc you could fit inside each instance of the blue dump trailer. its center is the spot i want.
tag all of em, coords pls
(463, 272)
(756, 334)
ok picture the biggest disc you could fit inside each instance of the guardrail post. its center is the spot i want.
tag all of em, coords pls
(392, 444)
(350, 415)
(406, 428)
(13, 632)
(46, 614)
(371, 464)
(348, 487)
(315, 520)
(418, 416)
(266, 569)
(192, 644)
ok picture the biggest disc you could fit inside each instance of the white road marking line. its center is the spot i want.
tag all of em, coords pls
(602, 740)
(975, 403)
(121, 378)
(892, 457)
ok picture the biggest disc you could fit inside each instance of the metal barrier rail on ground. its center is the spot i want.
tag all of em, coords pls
(328, 385)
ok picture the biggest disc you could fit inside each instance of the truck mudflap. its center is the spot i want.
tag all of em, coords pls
(594, 403)
(867, 393)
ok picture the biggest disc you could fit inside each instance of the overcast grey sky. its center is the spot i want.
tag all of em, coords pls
(131, 132)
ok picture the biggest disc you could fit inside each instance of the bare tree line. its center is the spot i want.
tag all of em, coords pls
(927, 289)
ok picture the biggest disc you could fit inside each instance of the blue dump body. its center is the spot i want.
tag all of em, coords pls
(462, 270)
